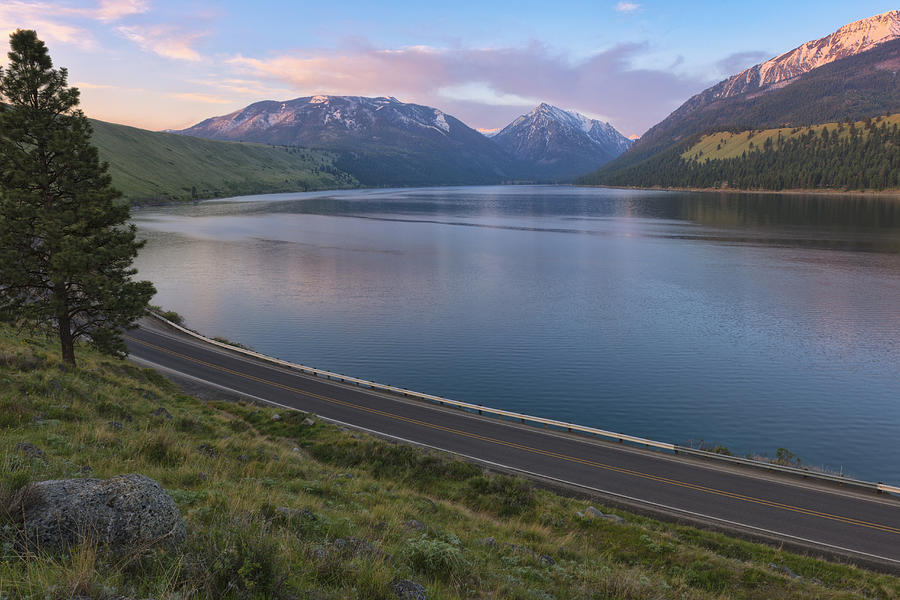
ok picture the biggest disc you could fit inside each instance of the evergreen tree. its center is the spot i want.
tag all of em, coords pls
(66, 249)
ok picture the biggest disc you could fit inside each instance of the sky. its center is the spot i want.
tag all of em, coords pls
(161, 64)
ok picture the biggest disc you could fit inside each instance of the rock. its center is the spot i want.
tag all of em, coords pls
(243, 458)
(161, 412)
(116, 425)
(29, 450)
(131, 512)
(546, 560)
(296, 449)
(303, 513)
(354, 546)
(309, 421)
(409, 590)
(489, 542)
(415, 524)
(207, 450)
(593, 513)
(783, 569)
(276, 417)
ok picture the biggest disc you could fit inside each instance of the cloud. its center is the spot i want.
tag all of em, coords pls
(205, 98)
(627, 7)
(113, 10)
(44, 18)
(86, 85)
(164, 40)
(737, 62)
(487, 87)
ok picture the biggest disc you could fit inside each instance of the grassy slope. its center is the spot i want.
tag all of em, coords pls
(153, 166)
(723, 145)
(231, 466)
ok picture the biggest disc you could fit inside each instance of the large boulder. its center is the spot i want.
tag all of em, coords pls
(130, 512)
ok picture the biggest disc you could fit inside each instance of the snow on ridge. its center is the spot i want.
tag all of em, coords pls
(851, 39)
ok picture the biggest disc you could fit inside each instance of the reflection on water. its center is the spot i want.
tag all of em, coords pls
(757, 321)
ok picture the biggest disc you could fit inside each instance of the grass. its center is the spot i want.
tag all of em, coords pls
(280, 505)
(157, 167)
(725, 144)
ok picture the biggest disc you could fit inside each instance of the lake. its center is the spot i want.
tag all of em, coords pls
(752, 321)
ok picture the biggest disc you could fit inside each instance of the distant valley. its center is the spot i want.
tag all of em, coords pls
(330, 141)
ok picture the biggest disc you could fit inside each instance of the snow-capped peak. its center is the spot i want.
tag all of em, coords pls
(851, 39)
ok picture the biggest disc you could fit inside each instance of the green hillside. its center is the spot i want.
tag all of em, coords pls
(861, 155)
(153, 167)
(279, 505)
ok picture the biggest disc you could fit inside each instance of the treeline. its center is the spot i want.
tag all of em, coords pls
(848, 156)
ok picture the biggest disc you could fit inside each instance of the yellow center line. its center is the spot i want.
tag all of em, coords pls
(548, 453)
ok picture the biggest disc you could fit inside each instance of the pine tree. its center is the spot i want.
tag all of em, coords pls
(66, 249)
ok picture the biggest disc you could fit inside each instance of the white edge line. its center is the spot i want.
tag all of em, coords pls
(523, 471)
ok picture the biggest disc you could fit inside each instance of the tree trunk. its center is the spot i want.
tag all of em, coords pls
(65, 340)
(64, 326)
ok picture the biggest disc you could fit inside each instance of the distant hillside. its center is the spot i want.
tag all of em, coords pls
(847, 79)
(163, 167)
(381, 141)
(838, 156)
(558, 145)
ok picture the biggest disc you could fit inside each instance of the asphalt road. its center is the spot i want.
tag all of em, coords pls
(860, 525)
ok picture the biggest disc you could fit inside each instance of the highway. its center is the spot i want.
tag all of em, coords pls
(861, 526)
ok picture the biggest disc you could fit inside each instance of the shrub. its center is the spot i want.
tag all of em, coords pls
(435, 558)
(505, 496)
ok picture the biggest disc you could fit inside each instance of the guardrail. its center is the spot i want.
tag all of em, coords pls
(529, 419)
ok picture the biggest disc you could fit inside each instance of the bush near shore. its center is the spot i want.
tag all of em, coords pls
(281, 505)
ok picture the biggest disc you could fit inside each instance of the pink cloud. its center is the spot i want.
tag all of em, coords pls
(490, 86)
(165, 41)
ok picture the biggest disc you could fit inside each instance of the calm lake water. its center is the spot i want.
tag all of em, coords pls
(753, 321)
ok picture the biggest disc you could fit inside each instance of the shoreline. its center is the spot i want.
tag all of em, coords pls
(790, 192)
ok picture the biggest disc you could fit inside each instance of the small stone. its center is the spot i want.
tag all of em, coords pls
(207, 450)
(243, 458)
(593, 513)
(489, 542)
(29, 450)
(786, 570)
(296, 449)
(116, 425)
(579, 514)
(415, 524)
(161, 412)
(276, 417)
(302, 513)
(546, 560)
(309, 421)
(409, 590)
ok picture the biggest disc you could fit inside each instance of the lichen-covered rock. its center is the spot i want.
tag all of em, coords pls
(409, 590)
(131, 512)
(29, 450)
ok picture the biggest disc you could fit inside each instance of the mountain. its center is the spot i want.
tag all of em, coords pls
(381, 141)
(851, 73)
(849, 40)
(556, 144)
(157, 167)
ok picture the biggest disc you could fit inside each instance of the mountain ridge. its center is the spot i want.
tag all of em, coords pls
(863, 84)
